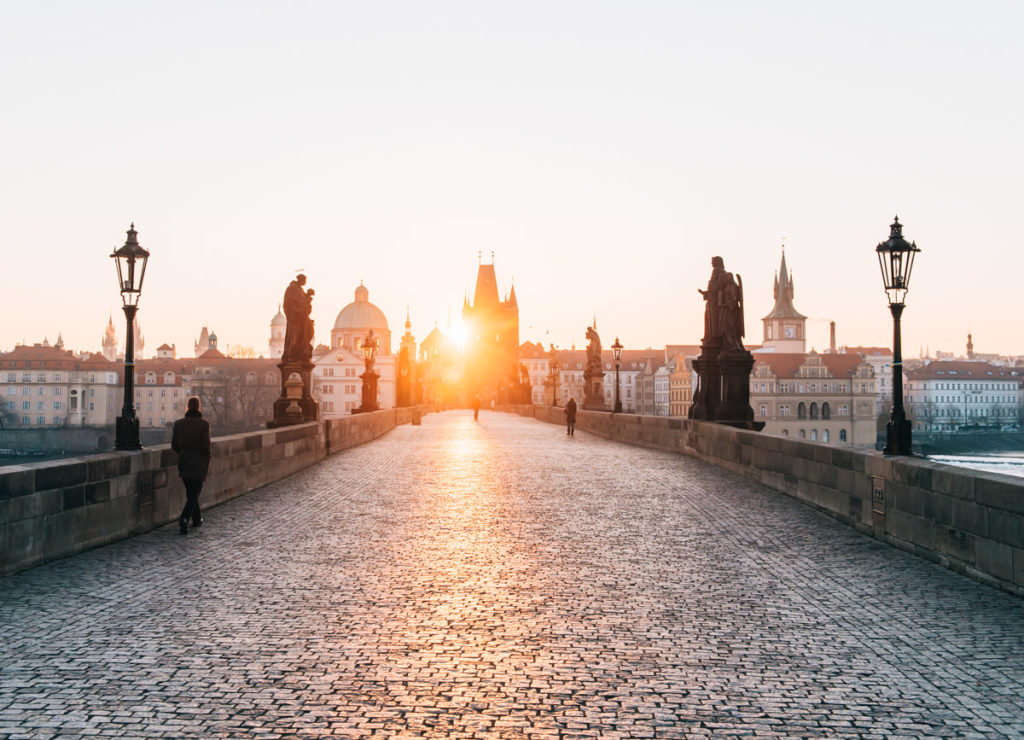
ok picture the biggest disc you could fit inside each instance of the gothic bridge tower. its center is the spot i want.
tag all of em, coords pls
(492, 342)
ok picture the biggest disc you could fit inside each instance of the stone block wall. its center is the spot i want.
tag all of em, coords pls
(969, 521)
(53, 509)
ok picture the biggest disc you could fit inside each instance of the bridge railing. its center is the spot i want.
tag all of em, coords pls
(50, 510)
(969, 521)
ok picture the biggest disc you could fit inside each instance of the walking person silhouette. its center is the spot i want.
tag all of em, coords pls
(191, 440)
(570, 417)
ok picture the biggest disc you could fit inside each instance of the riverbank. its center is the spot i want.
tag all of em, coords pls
(986, 443)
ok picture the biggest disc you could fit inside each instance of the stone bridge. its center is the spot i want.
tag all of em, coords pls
(500, 579)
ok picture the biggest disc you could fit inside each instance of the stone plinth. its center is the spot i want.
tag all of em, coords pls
(310, 408)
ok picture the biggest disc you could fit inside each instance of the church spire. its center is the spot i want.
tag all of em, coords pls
(784, 327)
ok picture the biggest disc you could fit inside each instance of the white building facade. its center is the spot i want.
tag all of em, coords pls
(948, 396)
(337, 385)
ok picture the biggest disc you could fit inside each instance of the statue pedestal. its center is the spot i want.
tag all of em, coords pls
(369, 379)
(593, 392)
(310, 408)
(709, 382)
(734, 409)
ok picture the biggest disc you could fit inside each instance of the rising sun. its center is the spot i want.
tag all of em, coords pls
(458, 332)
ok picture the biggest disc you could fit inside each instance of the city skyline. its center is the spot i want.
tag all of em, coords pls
(604, 158)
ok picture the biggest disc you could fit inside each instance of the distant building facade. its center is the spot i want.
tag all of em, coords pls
(820, 398)
(278, 326)
(953, 395)
(830, 397)
(337, 385)
(47, 387)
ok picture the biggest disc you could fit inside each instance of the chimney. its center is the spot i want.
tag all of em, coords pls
(832, 337)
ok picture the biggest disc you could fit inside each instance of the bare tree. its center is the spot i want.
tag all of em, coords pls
(236, 400)
(8, 416)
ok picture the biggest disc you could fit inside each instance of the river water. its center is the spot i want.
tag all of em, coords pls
(1007, 463)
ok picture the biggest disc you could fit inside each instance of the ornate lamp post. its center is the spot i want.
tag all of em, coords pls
(553, 375)
(131, 269)
(369, 377)
(896, 258)
(617, 354)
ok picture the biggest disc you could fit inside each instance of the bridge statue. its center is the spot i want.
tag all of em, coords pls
(723, 368)
(593, 375)
(297, 357)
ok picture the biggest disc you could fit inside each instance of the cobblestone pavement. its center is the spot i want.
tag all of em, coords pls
(498, 579)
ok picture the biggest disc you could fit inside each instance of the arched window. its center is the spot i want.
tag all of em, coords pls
(814, 435)
(803, 434)
(801, 411)
(824, 436)
(842, 435)
(785, 432)
(826, 411)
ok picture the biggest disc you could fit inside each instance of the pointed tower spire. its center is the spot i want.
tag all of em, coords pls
(784, 327)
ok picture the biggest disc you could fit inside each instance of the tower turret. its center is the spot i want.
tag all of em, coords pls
(784, 327)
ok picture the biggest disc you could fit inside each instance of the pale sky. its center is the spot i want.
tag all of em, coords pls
(604, 152)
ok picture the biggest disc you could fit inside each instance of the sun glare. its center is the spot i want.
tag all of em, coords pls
(459, 333)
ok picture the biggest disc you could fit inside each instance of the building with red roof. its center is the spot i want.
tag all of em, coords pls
(822, 398)
(950, 395)
(44, 386)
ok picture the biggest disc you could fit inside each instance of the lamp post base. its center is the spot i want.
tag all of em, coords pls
(618, 407)
(127, 433)
(898, 438)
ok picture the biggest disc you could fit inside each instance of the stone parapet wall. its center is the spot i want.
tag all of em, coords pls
(53, 509)
(969, 521)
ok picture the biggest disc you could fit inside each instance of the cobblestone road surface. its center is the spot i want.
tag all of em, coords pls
(502, 580)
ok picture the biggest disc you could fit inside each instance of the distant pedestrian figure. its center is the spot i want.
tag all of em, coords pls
(191, 440)
(570, 417)
(476, 408)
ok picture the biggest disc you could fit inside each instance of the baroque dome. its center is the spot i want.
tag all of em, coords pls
(361, 315)
(279, 319)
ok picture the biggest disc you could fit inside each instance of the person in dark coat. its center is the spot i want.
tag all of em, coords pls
(570, 417)
(191, 440)
(476, 408)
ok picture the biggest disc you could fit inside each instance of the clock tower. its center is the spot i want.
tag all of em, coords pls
(785, 327)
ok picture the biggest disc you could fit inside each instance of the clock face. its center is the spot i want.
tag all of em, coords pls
(790, 332)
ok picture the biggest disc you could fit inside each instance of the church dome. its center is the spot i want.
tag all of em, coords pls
(361, 315)
(279, 319)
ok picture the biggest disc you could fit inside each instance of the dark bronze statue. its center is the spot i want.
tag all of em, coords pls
(297, 357)
(593, 387)
(593, 351)
(723, 368)
(298, 335)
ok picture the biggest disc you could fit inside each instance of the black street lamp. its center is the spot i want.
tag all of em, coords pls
(369, 377)
(553, 375)
(131, 269)
(617, 354)
(896, 258)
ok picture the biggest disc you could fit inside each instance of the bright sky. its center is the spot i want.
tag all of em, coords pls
(604, 152)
